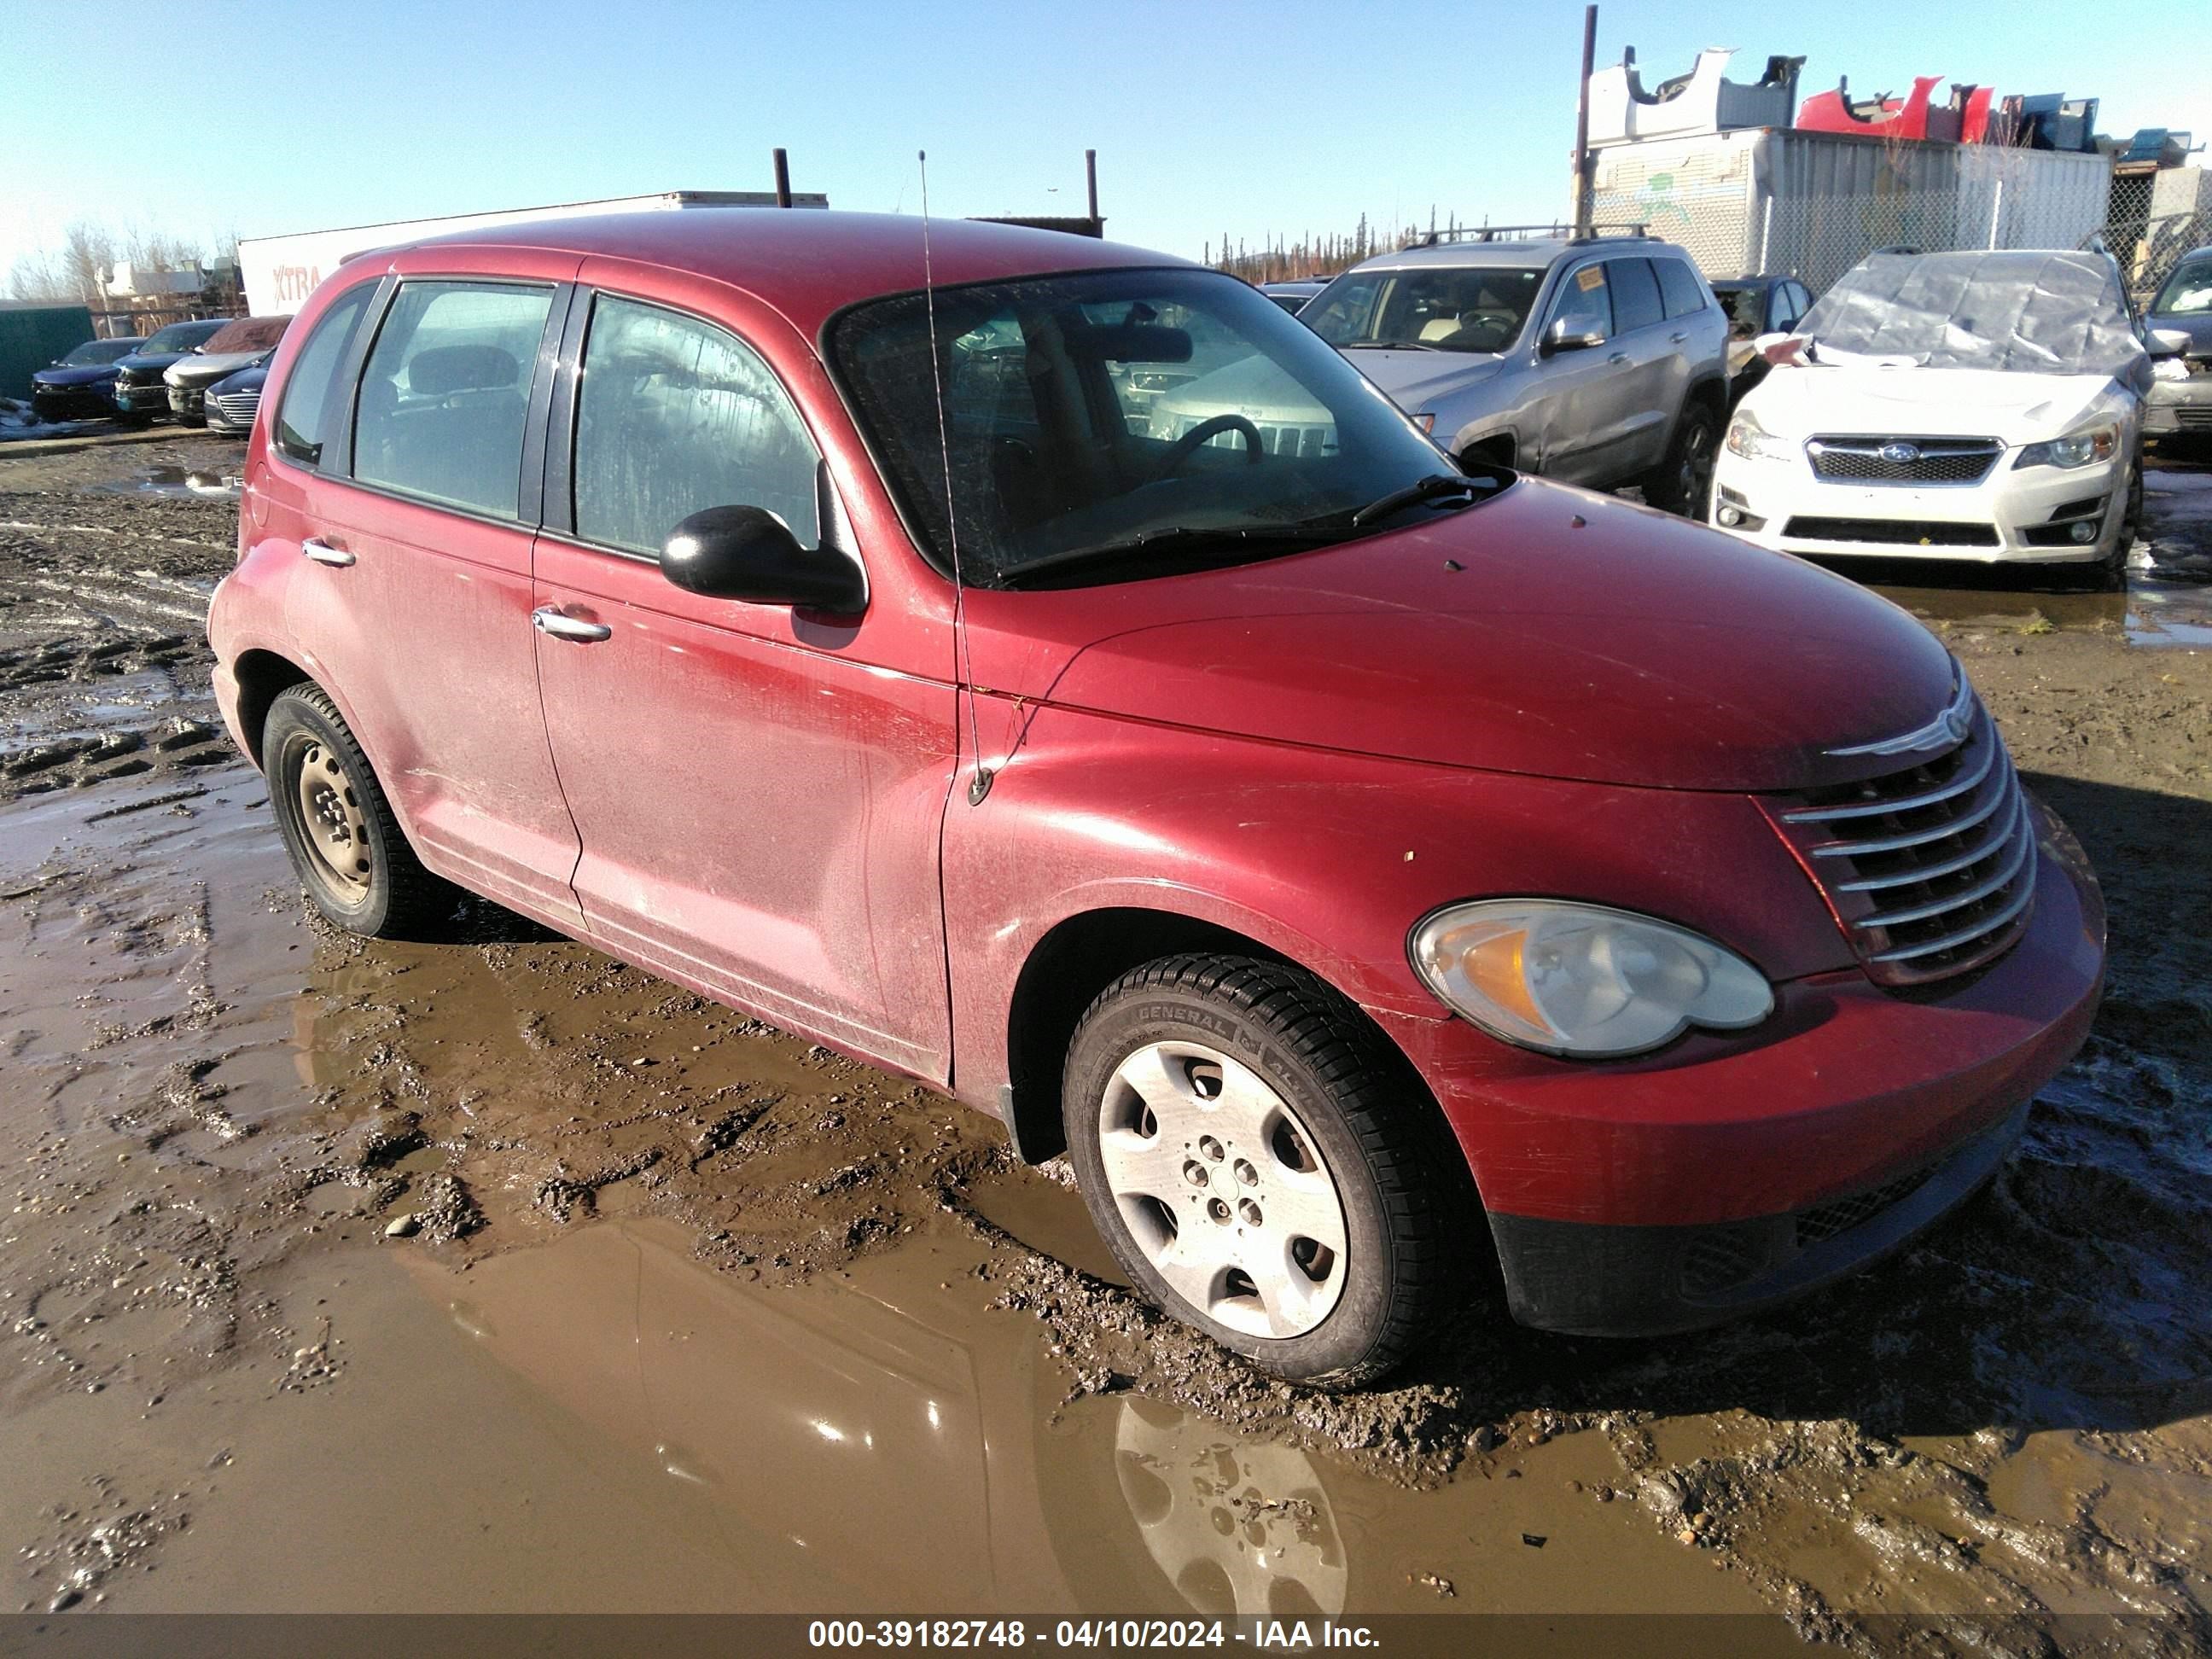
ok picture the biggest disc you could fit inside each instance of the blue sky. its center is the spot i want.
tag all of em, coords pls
(1256, 120)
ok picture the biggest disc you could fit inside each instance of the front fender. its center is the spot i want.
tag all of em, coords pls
(1328, 859)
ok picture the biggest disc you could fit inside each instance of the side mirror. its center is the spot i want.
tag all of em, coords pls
(1564, 335)
(748, 553)
(2167, 342)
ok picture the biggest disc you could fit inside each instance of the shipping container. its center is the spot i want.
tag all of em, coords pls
(33, 334)
(1812, 204)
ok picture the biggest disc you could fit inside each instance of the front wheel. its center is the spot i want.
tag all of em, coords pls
(1260, 1164)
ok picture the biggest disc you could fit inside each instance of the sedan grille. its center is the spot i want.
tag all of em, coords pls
(1930, 870)
(1903, 460)
(237, 407)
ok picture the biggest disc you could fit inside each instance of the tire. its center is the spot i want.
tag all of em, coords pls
(345, 844)
(1310, 1118)
(1683, 483)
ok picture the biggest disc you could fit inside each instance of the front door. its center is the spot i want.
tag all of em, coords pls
(759, 801)
(1582, 387)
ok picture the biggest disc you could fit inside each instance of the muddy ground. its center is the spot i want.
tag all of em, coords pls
(497, 1275)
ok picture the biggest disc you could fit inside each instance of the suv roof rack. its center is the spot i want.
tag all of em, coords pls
(1529, 233)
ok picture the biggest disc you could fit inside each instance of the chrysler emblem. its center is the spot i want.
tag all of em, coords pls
(1957, 723)
(1899, 454)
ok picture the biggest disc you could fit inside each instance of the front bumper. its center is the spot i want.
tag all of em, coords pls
(187, 402)
(2014, 513)
(1727, 1174)
(2181, 406)
(70, 403)
(143, 399)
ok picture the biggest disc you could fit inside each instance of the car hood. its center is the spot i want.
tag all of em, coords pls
(1797, 401)
(84, 374)
(201, 367)
(1547, 631)
(1414, 379)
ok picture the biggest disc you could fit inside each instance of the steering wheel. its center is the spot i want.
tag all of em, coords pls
(1184, 447)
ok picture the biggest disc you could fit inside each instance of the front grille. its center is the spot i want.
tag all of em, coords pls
(1931, 870)
(237, 407)
(1824, 1221)
(1286, 440)
(1892, 533)
(1910, 460)
(2184, 416)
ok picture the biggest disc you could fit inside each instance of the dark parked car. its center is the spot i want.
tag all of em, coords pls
(1344, 858)
(237, 345)
(232, 400)
(80, 386)
(1757, 305)
(2180, 401)
(140, 392)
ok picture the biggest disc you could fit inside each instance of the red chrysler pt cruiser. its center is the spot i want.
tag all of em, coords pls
(1332, 852)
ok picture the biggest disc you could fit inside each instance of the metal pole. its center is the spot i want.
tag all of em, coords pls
(783, 179)
(1091, 177)
(1584, 174)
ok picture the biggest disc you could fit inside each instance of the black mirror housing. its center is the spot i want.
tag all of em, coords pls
(748, 553)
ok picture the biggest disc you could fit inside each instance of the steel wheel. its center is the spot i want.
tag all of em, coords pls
(337, 831)
(1222, 1189)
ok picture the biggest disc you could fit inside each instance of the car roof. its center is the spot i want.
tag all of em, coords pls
(1513, 254)
(810, 263)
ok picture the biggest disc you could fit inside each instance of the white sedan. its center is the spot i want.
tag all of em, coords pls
(1982, 406)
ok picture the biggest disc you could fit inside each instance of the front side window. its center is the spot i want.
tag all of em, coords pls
(1635, 295)
(1441, 307)
(1584, 305)
(94, 353)
(1106, 426)
(676, 416)
(446, 392)
(2188, 291)
(300, 415)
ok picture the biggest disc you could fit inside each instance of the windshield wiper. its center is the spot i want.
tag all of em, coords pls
(1389, 345)
(1167, 540)
(1432, 488)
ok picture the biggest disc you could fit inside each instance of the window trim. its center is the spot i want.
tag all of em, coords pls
(557, 514)
(528, 515)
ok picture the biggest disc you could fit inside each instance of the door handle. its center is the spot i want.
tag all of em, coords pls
(323, 553)
(1678, 338)
(548, 619)
(1618, 357)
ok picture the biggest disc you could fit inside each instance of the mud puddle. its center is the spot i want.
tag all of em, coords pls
(177, 482)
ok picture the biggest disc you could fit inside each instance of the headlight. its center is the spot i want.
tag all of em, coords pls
(1583, 979)
(2090, 444)
(1746, 438)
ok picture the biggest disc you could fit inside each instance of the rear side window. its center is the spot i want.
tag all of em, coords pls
(1678, 287)
(446, 391)
(676, 416)
(1635, 295)
(1584, 304)
(300, 416)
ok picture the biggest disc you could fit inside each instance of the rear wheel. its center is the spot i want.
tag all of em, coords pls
(1256, 1160)
(345, 843)
(1683, 483)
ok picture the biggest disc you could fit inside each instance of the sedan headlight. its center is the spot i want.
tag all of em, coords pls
(1746, 438)
(2091, 444)
(1583, 979)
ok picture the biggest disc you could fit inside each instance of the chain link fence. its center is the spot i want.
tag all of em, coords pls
(2153, 219)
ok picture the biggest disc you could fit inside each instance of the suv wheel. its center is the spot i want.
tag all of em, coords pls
(1684, 482)
(345, 841)
(1247, 1155)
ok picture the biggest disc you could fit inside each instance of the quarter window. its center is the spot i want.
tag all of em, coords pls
(1678, 287)
(677, 416)
(1635, 295)
(446, 392)
(307, 398)
(1585, 306)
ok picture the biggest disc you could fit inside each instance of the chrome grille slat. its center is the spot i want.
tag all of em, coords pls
(1988, 846)
(1935, 868)
(1974, 895)
(1909, 804)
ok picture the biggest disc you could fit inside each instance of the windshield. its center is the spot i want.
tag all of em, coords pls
(1077, 417)
(2188, 291)
(1436, 306)
(93, 353)
(181, 337)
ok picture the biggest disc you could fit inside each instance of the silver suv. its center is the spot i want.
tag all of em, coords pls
(1599, 360)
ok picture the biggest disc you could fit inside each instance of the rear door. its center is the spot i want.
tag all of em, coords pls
(758, 791)
(414, 522)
